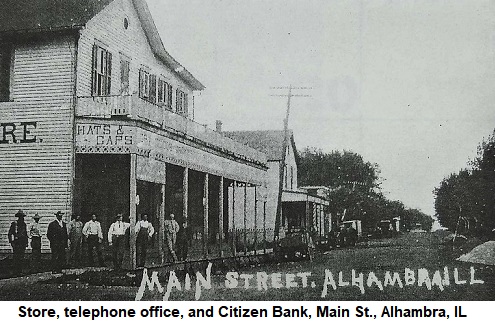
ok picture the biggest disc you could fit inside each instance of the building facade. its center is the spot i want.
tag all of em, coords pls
(301, 208)
(96, 117)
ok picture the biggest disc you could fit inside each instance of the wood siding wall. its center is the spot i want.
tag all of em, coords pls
(37, 177)
(107, 30)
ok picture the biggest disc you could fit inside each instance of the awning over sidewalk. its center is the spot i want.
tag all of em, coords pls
(302, 196)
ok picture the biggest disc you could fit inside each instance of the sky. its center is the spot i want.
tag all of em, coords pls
(409, 85)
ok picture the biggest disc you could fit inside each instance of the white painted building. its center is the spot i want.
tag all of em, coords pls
(96, 117)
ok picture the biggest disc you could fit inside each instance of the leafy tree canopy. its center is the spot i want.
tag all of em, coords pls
(354, 189)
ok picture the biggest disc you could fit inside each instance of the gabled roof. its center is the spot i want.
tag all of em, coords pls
(18, 16)
(157, 45)
(271, 142)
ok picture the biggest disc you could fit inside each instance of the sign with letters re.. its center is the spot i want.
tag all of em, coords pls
(18, 132)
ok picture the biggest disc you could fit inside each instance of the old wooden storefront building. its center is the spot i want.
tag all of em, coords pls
(96, 117)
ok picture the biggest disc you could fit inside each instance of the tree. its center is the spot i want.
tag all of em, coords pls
(337, 169)
(354, 187)
(465, 200)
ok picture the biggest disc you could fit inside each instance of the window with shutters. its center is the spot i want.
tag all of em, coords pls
(152, 95)
(291, 177)
(102, 71)
(6, 65)
(285, 176)
(181, 102)
(164, 94)
(124, 76)
(148, 86)
(144, 84)
(169, 97)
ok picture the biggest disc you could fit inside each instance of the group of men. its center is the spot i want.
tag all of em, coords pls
(72, 235)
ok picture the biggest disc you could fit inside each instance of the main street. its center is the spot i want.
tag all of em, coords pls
(412, 266)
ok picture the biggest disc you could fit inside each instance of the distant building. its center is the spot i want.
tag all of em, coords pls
(301, 208)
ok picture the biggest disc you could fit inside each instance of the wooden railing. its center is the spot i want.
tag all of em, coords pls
(133, 107)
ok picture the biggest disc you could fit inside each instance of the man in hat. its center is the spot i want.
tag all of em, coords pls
(57, 235)
(94, 238)
(35, 235)
(74, 228)
(18, 238)
(171, 230)
(116, 239)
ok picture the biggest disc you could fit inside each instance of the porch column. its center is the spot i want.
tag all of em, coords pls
(307, 213)
(132, 210)
(264, 226)
(185, 193)
(245, 218)
(220, 217)
(161, 234)
(320, 219)
(205, 217)
(255, 220)
(234, 235)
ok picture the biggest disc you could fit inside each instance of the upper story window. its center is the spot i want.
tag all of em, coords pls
(164, 93)
(102, 71)
(124, 76)
(291, 177)
(181, 102)
(144, 84)
(6, 65)
(286, 176)
(147, 86)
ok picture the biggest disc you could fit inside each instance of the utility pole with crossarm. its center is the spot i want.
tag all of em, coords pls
(278, 216)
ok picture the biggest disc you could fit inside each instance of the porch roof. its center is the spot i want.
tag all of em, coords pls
(302, 196)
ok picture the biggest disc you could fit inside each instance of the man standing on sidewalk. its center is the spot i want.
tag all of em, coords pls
(18, 238)
(144, 231)
(94, 238)
(171, 230)
(35, 235)
(74, 228)
(57, 235)
(116, 239)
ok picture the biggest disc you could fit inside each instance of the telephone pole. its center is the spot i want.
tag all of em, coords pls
(278, 216)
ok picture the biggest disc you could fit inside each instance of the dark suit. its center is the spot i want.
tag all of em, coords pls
(18, 239)
(58, 243)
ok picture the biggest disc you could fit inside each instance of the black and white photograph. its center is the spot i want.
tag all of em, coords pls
(260, 150)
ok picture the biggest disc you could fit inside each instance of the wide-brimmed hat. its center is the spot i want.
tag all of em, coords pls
(59, 213)
(37, 216)
(20, 213)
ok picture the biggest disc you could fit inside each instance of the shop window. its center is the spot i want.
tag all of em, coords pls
(181, 102)
(6, 65)
(102, 71)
